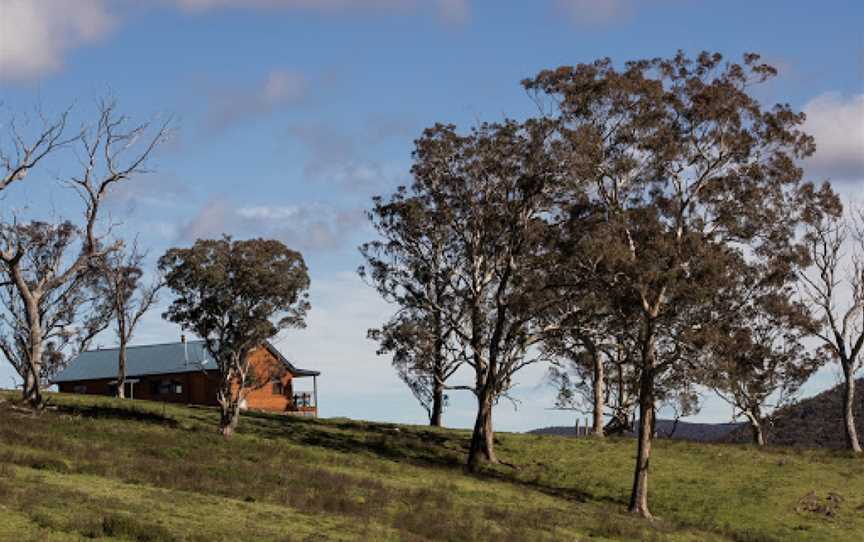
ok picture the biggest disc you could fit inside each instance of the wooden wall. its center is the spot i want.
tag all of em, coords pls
(199, 388)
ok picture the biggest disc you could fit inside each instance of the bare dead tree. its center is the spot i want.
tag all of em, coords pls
(21, 154)
(110, 152)
(69, 315)
(835, 293)
(122, 289)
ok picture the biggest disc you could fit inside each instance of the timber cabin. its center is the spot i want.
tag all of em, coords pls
(184, 372)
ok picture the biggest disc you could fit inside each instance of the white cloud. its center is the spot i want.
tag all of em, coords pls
(211, 221)
(268, 213)
(347, 159)
(35, 34)
(280, 88)
(837, 123)
(454, 11)
(450, 11)
(323, 5)
(596, 12)
(310, 227)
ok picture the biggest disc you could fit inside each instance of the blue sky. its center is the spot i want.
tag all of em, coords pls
(291, 114)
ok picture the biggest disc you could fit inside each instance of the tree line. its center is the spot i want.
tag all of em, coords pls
(649, 232)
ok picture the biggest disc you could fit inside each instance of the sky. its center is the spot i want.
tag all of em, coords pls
(290, 115)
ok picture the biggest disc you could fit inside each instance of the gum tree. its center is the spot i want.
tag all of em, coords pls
(122, 289)
(757, 360)
(409, 266)
(690, 172)
(835, 292)
(69, 315)
(235, 295)
(489, 189)
(45, 263)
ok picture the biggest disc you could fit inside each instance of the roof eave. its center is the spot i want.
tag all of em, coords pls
(295, 371)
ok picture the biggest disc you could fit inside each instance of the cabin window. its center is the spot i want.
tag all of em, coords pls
(278, 389)
(165, 387)
(178, 388)
(79, 388)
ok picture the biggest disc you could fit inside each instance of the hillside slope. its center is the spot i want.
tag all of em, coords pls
(813, 422)
(692, 431)
(97, 468)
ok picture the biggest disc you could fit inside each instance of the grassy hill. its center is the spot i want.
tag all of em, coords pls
(98, 468)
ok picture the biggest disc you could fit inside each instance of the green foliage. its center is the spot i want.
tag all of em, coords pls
(236, 295)
(234, 290)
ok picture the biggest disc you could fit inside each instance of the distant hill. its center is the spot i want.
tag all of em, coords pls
(696, 432)
(813, 422)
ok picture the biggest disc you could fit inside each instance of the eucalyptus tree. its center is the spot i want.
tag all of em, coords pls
(424, 356)
(690, 172)
(594, 375)
(68, 315)
(121, 287)
(757, 360)
(409, 265)
(490, 190)
(835, 291)
(44, 263)
(235, 295)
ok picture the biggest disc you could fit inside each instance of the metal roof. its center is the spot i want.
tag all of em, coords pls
(153, 359)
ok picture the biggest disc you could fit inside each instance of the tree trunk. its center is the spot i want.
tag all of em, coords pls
(756, 428)
(437, 405)
(121, 369)
(482, 440)
(32, 393)
(599, 394)
(639, 495)
(849, 409)
(229, 401)
(229, 417)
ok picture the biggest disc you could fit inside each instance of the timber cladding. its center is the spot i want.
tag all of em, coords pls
(269, 385)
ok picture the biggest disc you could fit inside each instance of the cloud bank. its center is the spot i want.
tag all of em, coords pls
(308, 227)
(588, 13)
(36, 34)
(837, 123)
(450, 11)
(279, 89)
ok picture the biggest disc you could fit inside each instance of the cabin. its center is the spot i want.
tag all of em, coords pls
(184, 372)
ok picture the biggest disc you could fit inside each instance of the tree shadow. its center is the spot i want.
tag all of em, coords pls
(117, 413)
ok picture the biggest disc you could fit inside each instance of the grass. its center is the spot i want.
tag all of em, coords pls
(98, 468)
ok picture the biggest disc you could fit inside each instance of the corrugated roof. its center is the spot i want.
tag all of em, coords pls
(152, 359)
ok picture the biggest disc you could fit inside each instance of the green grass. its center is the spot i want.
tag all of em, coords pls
(98, 468)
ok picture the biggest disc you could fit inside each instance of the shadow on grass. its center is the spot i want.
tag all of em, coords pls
(117, 413)
(416, 446)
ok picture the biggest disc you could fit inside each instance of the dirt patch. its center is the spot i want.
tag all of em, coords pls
(826, 507)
